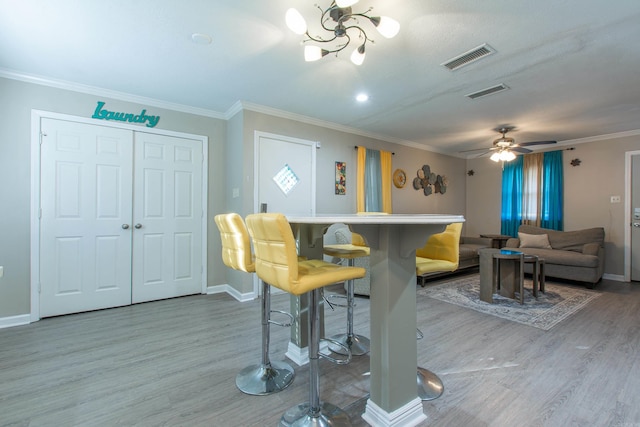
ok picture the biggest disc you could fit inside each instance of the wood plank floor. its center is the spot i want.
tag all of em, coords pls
(174, 362)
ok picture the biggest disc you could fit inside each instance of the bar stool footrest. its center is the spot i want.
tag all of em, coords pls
(357, 344)
(346, 352)
(292, 319)
(330, 299)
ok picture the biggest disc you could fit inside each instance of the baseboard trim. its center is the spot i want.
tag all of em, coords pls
(409, 415)
(614, 277)
(298, 355)
(228, 289)
(11, 321)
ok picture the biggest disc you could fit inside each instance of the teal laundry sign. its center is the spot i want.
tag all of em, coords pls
(102, 114)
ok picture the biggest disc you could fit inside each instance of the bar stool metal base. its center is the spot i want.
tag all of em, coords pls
(430, 387)
(358, 344)
(260, 380)
(329, 416)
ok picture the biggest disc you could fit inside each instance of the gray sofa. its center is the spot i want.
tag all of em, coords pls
(573, 255)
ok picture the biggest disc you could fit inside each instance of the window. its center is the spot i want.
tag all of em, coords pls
(532, 192)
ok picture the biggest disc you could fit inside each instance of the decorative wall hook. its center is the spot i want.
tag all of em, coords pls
(575, 162)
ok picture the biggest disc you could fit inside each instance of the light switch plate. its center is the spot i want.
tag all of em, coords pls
(1, 271)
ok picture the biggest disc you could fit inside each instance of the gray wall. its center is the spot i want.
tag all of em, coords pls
(587, 187)
(587, 192)
(230, 167)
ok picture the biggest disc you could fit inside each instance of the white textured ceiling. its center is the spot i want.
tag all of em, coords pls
(572, 66)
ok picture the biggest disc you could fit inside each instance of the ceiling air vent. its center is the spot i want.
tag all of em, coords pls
(488, 91)
(469, 57)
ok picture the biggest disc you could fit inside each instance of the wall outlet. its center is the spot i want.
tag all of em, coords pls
(615, 199)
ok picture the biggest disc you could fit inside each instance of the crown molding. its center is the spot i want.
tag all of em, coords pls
(122, 96)
(595, 138)
(243, 105)
(237, 107)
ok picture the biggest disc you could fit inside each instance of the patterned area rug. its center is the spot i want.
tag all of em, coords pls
(557, 303)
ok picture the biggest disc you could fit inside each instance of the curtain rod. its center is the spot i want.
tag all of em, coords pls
(392, 153)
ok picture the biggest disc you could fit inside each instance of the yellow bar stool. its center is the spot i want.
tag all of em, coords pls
(441, 253)
(277, 263)
(358, 344)
(266, 377)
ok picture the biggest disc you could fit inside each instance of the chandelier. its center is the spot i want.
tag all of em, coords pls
(345, 22)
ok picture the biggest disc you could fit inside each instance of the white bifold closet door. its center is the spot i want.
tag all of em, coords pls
(121, 215)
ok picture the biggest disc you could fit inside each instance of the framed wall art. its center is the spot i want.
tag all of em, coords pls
(341, 178)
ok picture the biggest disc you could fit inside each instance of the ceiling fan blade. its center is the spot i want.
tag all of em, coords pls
(520, 150)
(525, 144)
(487, 151)
(476, 149)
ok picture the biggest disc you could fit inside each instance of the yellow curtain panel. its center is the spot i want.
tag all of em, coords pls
(385, 167)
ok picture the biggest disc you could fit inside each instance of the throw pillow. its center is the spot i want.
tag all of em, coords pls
(534, 241)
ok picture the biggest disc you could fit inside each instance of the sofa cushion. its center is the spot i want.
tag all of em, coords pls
(428, 265)
(560, 257)
(568, 240)
(534, 240)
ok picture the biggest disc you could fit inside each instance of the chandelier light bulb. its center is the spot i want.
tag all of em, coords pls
(357, 56)
(296, 22)
(312, 53)
(388, 27)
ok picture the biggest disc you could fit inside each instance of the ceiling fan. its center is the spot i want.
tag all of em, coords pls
(504, 147)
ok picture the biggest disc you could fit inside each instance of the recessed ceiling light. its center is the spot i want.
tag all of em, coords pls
(200, 38)
(362, 97)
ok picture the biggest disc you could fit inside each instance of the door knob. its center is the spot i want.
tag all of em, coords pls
(635, 224)
(138, 225)
(125, 226)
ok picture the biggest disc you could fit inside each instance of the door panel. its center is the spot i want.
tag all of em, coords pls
(276, 153)
(168, 211)
(635, 218)
(86, 187)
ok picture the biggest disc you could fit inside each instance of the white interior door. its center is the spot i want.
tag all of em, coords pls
(85, 242)
(635, 217)
(121, 217)
(168, 211)
(292, 162)
(286, 174)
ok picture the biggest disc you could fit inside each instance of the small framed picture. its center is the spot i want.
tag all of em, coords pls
(341, 178)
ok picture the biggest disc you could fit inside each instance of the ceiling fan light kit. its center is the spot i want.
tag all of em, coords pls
(503, 155)
(346, 22)
(504, 147)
